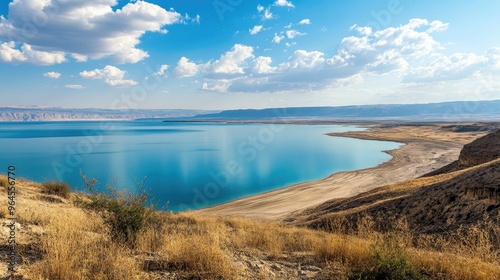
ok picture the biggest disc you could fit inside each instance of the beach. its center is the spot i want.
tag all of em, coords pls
(425, 147)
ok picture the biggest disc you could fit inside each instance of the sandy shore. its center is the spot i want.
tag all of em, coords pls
(425, 149)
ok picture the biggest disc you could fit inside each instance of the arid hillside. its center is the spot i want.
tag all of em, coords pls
(58, 237)
(462, 194)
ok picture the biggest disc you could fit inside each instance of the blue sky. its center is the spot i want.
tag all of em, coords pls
(226, 54)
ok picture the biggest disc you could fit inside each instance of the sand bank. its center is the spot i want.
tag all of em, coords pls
(426, 148)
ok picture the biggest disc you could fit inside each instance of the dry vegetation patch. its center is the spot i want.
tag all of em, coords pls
(75, 242)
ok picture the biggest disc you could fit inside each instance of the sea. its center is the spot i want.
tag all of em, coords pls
(183, 165)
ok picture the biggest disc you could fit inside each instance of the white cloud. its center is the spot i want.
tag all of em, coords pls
(108, 72)
(305, 21)
(293, 33)
(302, 59)
(111, 75)
(82, 29)
(185, 20)
(256, 29)
(9, 53)
(185, 68)
(161, 71)
(262, 65)
(284, 3)
(218, 85)
(52, 75)
(229, 63)
(120, 83)
(407, 53)
(74, 86)
(458, 66)
(79, 57)
(278, 38)
(267, 14)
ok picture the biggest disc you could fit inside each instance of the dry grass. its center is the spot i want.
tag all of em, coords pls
(77, 244)
(57, 188)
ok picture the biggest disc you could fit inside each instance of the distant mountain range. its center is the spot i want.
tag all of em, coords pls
(54, 114)
(446, 111)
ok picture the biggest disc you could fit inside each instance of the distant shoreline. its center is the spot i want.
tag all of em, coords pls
(426, 147)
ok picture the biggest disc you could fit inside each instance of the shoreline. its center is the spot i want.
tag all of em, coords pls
(424, 148)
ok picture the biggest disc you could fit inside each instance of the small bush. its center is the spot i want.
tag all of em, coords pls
(57, 188)
(4, 183)
(124, 212)
(391, 263)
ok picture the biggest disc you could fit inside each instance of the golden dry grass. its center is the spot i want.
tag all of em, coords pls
(76, 244)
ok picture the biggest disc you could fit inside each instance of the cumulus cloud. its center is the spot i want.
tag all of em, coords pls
(456, 67)
(52, 75)
(284, 3)
(162, 71)
(81, 29)
(409, 52)
(262, 65)
(218, 85)
(293, 33)
(256, 29)
(185, 68)
(305, 21)
(230, 62)
(111, 75)
(9, 52)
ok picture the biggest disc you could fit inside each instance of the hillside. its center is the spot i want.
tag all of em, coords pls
(431, 204)
(60, 238)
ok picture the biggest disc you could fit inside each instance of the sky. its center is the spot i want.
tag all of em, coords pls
(234, 54)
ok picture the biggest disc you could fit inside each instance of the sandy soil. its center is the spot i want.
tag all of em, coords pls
(426, 148)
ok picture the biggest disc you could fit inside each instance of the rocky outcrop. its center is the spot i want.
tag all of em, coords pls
(481, 150)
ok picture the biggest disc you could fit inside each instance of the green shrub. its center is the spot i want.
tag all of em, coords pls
(57, 188)
(391, 262)
(125, 213)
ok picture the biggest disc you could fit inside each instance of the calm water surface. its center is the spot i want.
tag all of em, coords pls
(187, 165)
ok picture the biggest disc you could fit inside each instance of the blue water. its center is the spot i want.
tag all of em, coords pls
(186, 165)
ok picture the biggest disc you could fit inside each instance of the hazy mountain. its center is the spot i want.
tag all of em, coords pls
(49, 114)
(453, 111)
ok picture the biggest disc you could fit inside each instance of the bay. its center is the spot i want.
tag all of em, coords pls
(184, 165)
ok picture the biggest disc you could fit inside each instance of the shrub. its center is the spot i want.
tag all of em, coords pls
(125, 212)
(57, 188)
(4, 183)
(391, 263)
